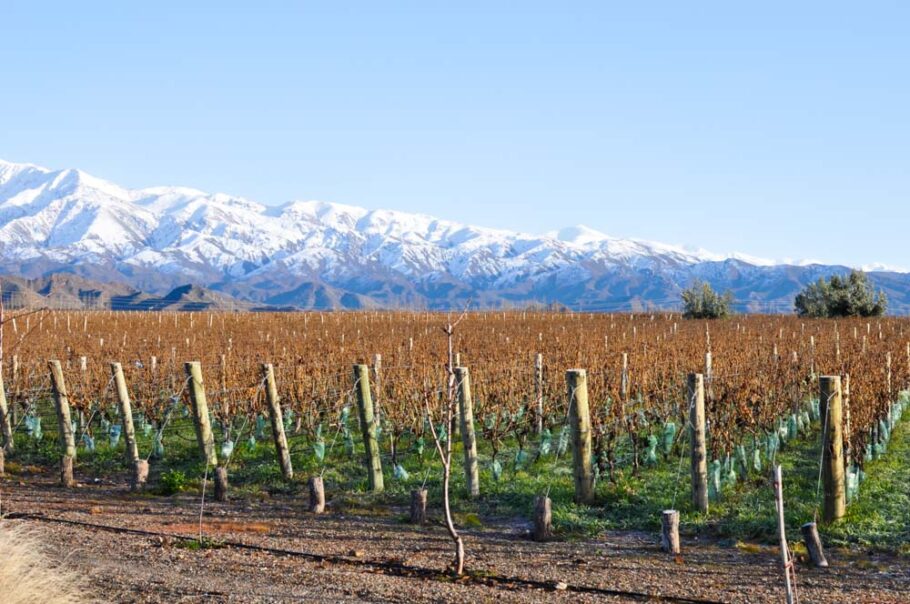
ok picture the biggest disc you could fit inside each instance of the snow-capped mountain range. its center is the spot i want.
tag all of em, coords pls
(318, 254)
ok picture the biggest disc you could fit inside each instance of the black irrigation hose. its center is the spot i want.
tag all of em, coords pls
(391, 568)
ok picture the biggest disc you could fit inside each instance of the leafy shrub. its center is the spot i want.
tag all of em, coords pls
(850, 296)
(700, 301)
(172, 481)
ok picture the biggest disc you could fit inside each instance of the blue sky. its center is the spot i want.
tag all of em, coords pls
(778, 130)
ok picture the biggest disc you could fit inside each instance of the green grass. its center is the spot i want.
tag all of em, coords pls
(880, 515)
(745, 512)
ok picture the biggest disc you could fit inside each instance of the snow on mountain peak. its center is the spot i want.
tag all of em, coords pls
(72, 219)
(578, 235)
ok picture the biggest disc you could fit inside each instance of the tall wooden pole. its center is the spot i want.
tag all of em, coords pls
(6, 424)
(782, 534)
(277, 420)
(468, 440)
(126, 414)
(580, 423)
(538, 390)
(64, 423)
(200, 409)
(368, 427)
(831, 404)
(696, 388)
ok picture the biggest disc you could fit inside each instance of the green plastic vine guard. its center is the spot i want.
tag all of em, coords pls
(496, 469)
(546, 442)
(563, 445)
(714, 484)
(400, 473)
(651, 455)
(669, 437)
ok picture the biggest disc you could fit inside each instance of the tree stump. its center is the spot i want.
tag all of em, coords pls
(814, 545)
(317, 494)
(66, 471)
(543, 518)
(418, 506)
(221, 483)
(140, 475)
(669, 531)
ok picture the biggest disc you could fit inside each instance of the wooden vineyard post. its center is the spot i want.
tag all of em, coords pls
(831, 407)
(814, 545)
(6, 424)
(543, 518)
(377, 379)
(709, 375)
(221, 484)
(64, 423)
(368, 427)
(419, 506)
(624, 379)
(538, 390)
(468, 440)
(316, 489)
(580, 423)
(277, 419)
(848, 429)
(669, 531)
(697, 438)
(782, 533)
(140, 473)
(200, 410)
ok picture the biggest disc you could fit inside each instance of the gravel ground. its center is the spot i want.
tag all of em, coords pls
(129, 567)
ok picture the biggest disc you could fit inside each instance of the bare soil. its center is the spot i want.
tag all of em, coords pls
(369, 555)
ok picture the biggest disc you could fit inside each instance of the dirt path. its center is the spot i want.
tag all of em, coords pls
(126, 567)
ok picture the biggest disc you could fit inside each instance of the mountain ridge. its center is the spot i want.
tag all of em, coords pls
(318, 254)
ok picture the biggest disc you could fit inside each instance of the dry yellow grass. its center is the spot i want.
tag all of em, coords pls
(28, 576)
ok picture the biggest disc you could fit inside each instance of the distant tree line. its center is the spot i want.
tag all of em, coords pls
(838, 296)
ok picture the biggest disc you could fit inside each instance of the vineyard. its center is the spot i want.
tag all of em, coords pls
(593, 419)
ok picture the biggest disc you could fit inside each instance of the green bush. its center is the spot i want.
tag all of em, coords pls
(850, 296)
(700, 301)
(172, 481)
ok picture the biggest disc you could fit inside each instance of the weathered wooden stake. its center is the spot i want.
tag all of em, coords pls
(317, 494)
(543, 518)
(126, 415)
(782, 533)
(2, 463)
(696, 387)
(538, 390)
(140, 474)
(831, 408)
(468, 440)
(419, 506)
(66, 471)
(368, 427)
(580, 422)
(277, 419)
(669, 531)
(624, 378)
(200, 408)
(6, 424)
(814, 545)
(64, 423)
(221, 484)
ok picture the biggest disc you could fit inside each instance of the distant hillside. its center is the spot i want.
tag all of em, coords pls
(57, 226)
(62, 291)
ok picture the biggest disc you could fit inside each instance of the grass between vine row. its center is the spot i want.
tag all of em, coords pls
(878, 519)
